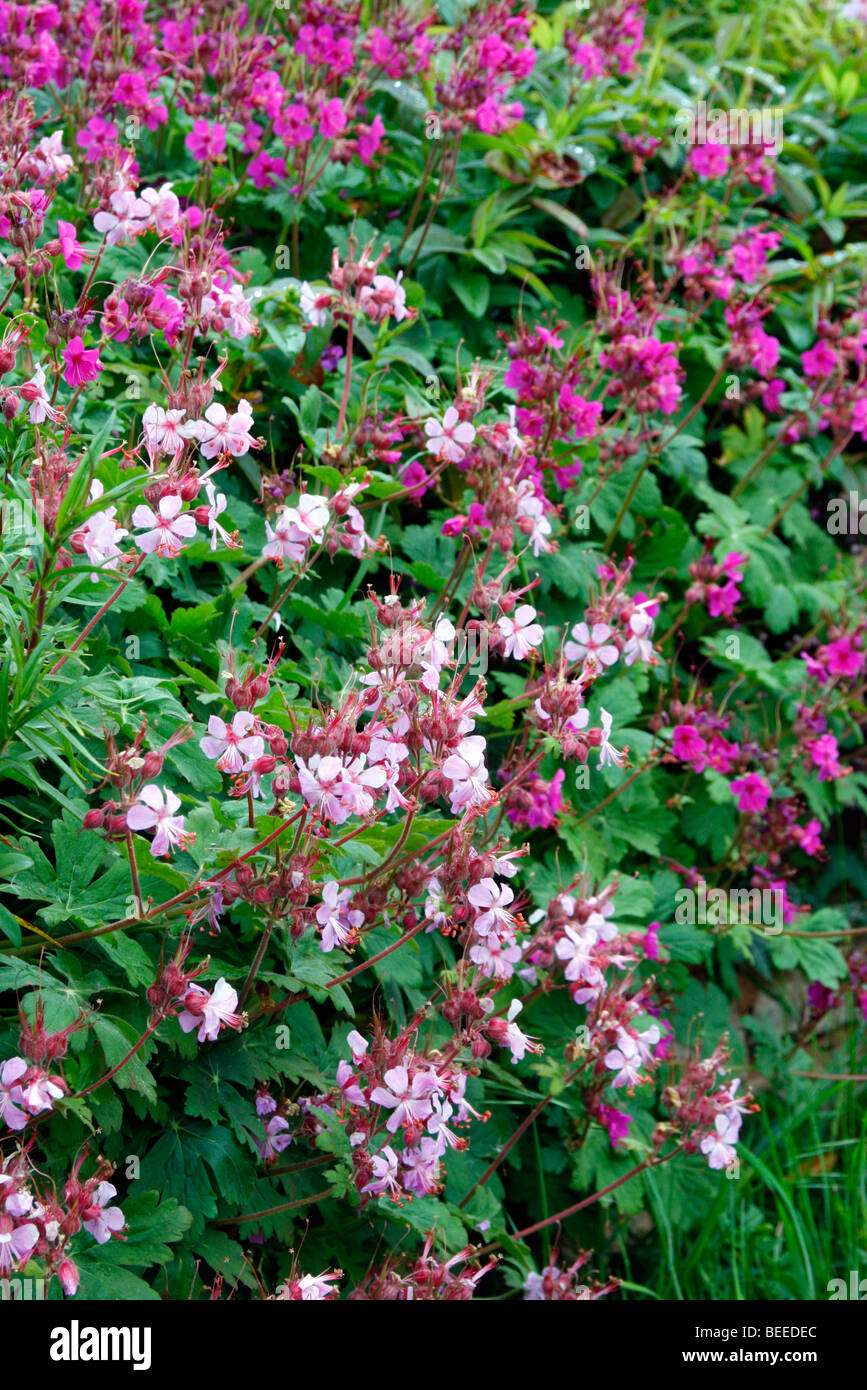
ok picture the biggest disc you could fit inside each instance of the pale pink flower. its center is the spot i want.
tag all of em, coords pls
(166, 531)
(718, 1146)
(16, 1243)
(591, 642)
(157, 811)
(383, 298)
(219, 431)
(409, 1101)
(209, 1011)
(384, 1165)
(284, 540)
(607, 752)
(466, 769)
(521, 631)
(625, 1060)
(217, 504)
(334, 916)
(103, 1221)
(129, 216)
(315, 305)
(311, 516)
(491, 899)
(34, 392)
(232, 743)
(164, 208)
(166, 431)
(12, 1111)
(451, 438)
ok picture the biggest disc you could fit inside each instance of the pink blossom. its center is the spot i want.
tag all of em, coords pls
(819, 360)
(166, 531)
(591, 642)
(617, 1123)
(12, 1111)
(718, 1146)
(384, 1165)
(82, 364)
(339, 923)
(688, 745)
(332, 118)
(72, 251)
(293, 125)
(409, 1101)
(384, 298)
(521, 631)
(276, 1138)
(157, 811)
(709, 161)
(231, 743)
(128, 218)
(210, 1011)
(608, 754)
(100, 1219)
(824, 753)
(491, 901)
(35, 393)
(16, 1243)
(752, 791)
(206, 141)
(451, 438)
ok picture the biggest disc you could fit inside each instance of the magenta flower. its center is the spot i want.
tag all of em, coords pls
(332, 118)
(709, 161)
(823, 752)
(752, 791)
(689, 746)
(369, 139)
(70, 248)
(293, 126)
(82, 364)
(819, 361)
(98, 138)
(617, 1123)
(206, 141)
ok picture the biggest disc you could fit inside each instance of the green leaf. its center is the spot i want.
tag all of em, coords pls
(474, 292)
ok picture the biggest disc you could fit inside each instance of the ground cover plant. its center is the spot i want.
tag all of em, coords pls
(433, 636)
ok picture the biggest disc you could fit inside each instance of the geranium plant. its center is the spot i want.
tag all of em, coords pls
(434, 647)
